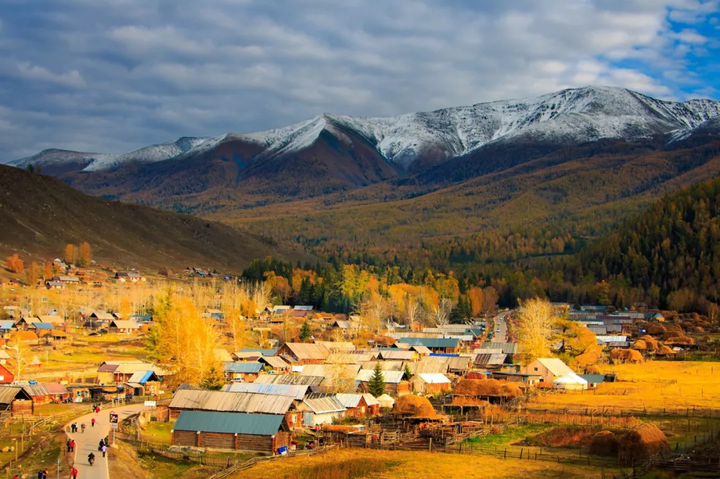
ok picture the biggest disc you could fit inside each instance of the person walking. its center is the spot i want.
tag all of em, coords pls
(68, 445)
(74, 473)
(101, 444)
(72, 445)
(92, 422)
(82, 427)
(104, 449)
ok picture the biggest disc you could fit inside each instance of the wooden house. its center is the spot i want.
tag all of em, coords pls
(16, 401)
(436, 345)
(359, 405)
(144, 383)
(428, 383)
(320, 409)
(120, 326)
(265, 433)
(549, 369)
(228, 401)
(45, 393)
(275, 364)
(303, 353)
(394, 381)
(245, 372)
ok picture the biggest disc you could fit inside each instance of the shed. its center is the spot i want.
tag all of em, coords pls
(429, 383)
(123, 326)
(16, 400)
(226, 430)
(356, 405)
(227, 401)
(321, 409)
(247, 372)
(436, 345)
(276, 363)
(303, 353)
(593, 380)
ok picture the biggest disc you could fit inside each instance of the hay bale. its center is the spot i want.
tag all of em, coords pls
(592, 370)
(665, 351)
(682, 340)
(652, 344)
(511, 390)
(656, 329)
(415, 407)
(640, 345)
(642, 443)
(486, 388)
(604, 443)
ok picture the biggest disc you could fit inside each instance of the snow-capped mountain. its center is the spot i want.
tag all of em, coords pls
(415, 140)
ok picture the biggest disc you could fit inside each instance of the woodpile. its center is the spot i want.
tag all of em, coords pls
(641, 443)
(604, 443)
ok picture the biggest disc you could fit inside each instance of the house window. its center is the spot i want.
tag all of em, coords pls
(294, 418)
(2, 378)
(536, 369)
(362, 408)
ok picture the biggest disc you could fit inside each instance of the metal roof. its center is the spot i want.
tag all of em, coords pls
(39, 325)
(459, 363)
(507, 348)
(384, 365)
(289, 379)
(429, 364)
(274, 362)
(9, 393)
(492, 359)
(337, 345)
(7, 325)
(264, 352)
(296, 392)
(431, 342)
(227, 401)
(229, 423)
(349, 400)
(308, 351)
(398, 354)
(141, 377)
(370, 400)
(324, 405)
(556, 366)
(247, 368)
(431, 378)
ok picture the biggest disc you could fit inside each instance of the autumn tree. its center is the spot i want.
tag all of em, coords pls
(33, 274)
(49, 271)
(305, 333)
(534, 327)
(15, 264)
(21, 355)
(477, 300)
(85, 254)
(490, 298)
(69, 253)
(186, 341)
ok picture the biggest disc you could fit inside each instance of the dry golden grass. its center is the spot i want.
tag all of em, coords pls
(404, 464)
(653, 385)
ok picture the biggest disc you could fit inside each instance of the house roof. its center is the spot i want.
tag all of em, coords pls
(570, 378)
(391, 377)
(433, 378)
(124, 324)
(349, 357)
(330, 371)
(397, 354)
(275, 362)
(289, 379)
(229, 401)
(246, 368)
(506, 348)
(324, 404)
(420, 349)
(344, 324)
(296, 392)
(51, 318)
(229, 423)
(7, 325)
(25, 335)
(429, 364)
(141, 377)
(370, 400)
(9, 393)
(461, 363)
(44, 326)
(335, 346)
(384, 365)
(593, 378)
(555, 366)
(349, 400)
(264, 352)
(308, 351)
(431, 342)
(102, 315)
(490, 359)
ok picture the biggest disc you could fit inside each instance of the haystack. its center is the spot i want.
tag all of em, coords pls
(641, 443)
(486, 388)
(656, 329)
(640, 345)
(665, 351)
(683, 340)
(652, 344)
(416, 407)
(626, 355)
(604, 443)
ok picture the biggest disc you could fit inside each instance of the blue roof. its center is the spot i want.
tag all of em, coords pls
(431, 342)
(443, 355)
(264, 352)
(242, 367)
(43, 325)
(146, 377)
(7, 324)
(229, 422)
(593, 378)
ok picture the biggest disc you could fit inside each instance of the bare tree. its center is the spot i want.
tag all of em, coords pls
(414, 311)
(441, 313)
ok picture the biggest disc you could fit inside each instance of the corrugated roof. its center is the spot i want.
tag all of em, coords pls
(397, 354)
(274, 362)
(222, 355)
(391, 377)
(46, 326)
(7, 325)
(8, 393)
(140, 377)
(370, 400)
(229, 423)
(296, 392)
(429, 364)
(431, 342)
(289, 379)
(124, 324)
(337, 345)
(506, 348)
(420, 349)
(384, 365)
(459, 363)
(227, 401)
(246, 368)
(555, 366)
(324, 405)
(331, 370)
(349, 358)
(308, 351)
(490, 359)
(264, 352)
(51, 318)
(432, 378)
(102, 315)
(349, 400)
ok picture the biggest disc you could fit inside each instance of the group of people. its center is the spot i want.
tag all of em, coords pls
(74, 427)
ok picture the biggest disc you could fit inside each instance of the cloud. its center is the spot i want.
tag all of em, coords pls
(129, 73)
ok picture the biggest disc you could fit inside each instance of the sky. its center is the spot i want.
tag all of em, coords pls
(115, 75)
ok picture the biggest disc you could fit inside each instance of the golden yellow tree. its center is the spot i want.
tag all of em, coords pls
(85, 254)
(15, 264)
(69, 253)
(534, 327)
(186, 342)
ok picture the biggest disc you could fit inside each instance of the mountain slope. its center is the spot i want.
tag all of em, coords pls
(40, 214)
(673, 247)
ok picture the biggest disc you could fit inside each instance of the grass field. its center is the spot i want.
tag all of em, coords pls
(402, 464)
(671, 385)
(158, 432)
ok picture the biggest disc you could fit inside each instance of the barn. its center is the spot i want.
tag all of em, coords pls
(226, 430)
(15, 400)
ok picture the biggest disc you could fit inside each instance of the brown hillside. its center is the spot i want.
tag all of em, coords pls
(40, 214)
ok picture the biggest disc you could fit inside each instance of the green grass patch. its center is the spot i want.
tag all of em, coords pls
(511, 435)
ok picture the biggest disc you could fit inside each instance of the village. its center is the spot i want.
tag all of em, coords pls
(622, 392)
